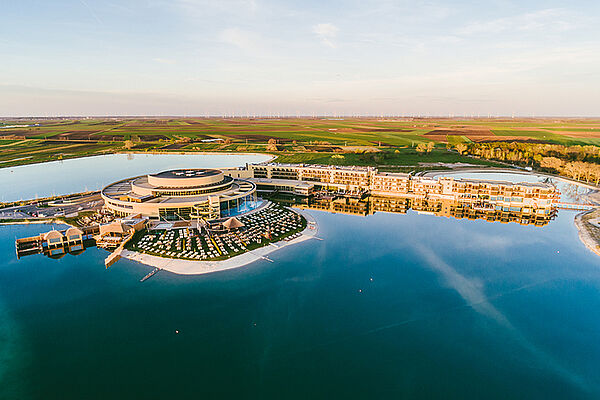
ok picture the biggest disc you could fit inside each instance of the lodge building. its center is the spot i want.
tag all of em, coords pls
(304, 180)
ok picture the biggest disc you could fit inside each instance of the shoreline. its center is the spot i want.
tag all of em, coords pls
(189, 267)
(584, 234)
(34, 222)
(189, 153)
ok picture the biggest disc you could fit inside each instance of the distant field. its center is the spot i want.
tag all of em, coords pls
(403, 158)
(296, 138)
(545, 135)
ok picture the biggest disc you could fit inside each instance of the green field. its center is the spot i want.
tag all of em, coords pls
(361, 141)
(548, 136)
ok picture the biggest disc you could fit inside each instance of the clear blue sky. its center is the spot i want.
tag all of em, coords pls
(197, 57)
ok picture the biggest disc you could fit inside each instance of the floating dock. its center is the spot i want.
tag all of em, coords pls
(150, 274)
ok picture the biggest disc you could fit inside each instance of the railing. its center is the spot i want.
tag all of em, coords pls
(574, 206)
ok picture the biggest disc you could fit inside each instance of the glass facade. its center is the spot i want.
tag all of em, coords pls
(239, 206)
(175, 214)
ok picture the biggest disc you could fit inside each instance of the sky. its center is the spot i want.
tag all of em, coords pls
(265, 57)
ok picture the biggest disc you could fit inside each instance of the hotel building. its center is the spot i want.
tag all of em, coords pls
(211, 193)
(181, 194)
(303, 180)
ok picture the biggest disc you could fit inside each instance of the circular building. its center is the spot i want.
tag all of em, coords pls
(181, 194)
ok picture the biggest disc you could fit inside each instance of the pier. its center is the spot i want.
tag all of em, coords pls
(574, 206)
(57, 242)
(150, 274)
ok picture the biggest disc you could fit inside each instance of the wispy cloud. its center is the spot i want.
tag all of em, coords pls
(557, 19)
(204, 7)
(326, 33)
(245, 40)
(168, 61)
(92, 12)
(472, 292)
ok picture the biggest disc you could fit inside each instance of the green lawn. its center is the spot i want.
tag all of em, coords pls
(547, 136)
(404, 157)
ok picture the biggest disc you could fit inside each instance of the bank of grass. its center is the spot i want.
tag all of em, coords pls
(405, 157)
(39, 151)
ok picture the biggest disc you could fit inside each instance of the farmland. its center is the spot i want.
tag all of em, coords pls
(389, 142)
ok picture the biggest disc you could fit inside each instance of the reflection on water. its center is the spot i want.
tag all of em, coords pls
(447, 310)
(345, 205)
(92, 173)
(400, 205)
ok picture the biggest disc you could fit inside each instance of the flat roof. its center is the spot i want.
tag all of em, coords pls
(394, 174)
(541, 185)
(187, 173)
(317, 166)
(288, 182)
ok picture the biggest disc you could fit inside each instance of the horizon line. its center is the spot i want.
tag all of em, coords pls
(298, 116)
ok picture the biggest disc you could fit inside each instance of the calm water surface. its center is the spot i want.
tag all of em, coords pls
(448, 309)
(91, 173)
(386, 306)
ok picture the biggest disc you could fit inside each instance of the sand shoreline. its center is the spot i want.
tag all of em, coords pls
(190, 267)
(584, 233)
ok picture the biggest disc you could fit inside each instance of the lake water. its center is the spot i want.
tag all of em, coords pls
(92, 173)
(386, 306)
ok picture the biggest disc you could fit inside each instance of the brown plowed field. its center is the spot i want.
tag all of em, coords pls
(258, 138)
(475, 135)
(75, 135)
(437, 138)
(174, 146)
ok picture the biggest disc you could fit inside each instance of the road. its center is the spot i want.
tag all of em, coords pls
(91, 202)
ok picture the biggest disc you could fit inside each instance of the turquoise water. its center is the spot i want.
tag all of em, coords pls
(386, 306)
(92, 173)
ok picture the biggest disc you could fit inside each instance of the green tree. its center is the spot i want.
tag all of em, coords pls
(430, 147)
(421, 148)
(461, 148)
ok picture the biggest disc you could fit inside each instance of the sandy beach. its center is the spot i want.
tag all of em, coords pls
(585, 235)
(190, 267)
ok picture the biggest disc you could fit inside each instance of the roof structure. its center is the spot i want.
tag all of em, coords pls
(233, 223)
(114, 227)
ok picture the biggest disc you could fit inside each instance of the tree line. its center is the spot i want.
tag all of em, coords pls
(577, 162)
